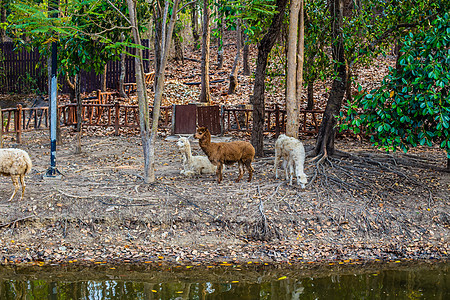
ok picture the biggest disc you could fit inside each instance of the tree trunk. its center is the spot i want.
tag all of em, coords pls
(245, 55)
(103, 79)
(179, 56)
(300, 56)
(71, 88)
(264, 48)
(221, 30)
(194, 20)
(157, 42)
(348, 83)
(310, 104)
(149, 135)
(122, 76)
(234, 70)
(149, 172)
(292, 122)
(205, 96)
(325, 139)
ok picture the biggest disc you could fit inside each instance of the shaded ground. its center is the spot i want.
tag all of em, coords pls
(101, 210)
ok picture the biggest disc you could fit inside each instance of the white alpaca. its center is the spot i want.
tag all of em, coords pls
(293, 154)
(15, 163)
(194, 165)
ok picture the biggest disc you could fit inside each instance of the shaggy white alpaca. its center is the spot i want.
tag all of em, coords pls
(15, 163)
(293, 154)
(193, 165)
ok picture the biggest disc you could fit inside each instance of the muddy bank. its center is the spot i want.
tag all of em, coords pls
(101, 210)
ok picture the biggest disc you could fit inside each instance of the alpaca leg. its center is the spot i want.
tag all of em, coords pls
(22, 182)
(291, 171)
(286, 168)
(241, 171)
(250, 171)
(301, 176)
(16, 186)
(277, 161)
(219, 172)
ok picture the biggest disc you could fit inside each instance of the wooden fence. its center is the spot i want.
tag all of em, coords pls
(118, 116)
(24, 71)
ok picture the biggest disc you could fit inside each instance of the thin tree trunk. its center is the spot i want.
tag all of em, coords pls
(291, 78)
(149, 173)
(157, 42)
(179, 56)
(149, 138)
(325, 139)
(71, 87)
(300, 56)
(194, 20)
(221, 30)
(264, 48)
(234, 70)
(103, 79)
(245, 55)
(310, 104)
(122, 73)
(205, 96)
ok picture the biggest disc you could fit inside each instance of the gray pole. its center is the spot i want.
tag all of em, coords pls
(52, 171)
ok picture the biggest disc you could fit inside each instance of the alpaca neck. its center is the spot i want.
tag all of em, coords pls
(187, 153)
(205, 143)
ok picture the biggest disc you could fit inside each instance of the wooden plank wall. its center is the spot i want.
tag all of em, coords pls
(25, 71)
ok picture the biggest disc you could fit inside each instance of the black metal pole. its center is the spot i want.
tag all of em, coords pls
(52, 170)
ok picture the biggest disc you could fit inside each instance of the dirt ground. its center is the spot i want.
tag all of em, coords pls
(372, 206)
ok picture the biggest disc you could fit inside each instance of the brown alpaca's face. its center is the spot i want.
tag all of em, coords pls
(200, 132)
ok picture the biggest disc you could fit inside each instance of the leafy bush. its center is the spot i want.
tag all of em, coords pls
(412, 106)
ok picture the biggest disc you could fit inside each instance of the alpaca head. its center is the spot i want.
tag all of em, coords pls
(201, 132)
(183, 143)
(303, 180)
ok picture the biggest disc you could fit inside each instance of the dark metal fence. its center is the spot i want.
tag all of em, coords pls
(24, 71)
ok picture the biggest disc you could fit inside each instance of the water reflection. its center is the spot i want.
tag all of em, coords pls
(428, 281)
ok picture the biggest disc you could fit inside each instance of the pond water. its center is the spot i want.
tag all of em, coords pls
(375, 281)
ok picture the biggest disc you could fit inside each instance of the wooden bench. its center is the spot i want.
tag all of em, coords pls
(131, 86)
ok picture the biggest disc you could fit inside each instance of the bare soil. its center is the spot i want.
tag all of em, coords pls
(368, 206)
(371, 206)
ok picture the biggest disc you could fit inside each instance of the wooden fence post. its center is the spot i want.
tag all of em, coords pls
(117, 118)
(222, 120)
(18, 123)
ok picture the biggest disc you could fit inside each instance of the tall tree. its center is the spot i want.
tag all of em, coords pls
(160, 77)
(245, 56)
(292, 105)
(150, 134)
(220, 30)
(264, 47)
(194, 21)
(234, 70)
(326, 136)
(205, 94)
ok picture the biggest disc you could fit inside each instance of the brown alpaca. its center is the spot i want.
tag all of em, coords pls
(226, 153)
